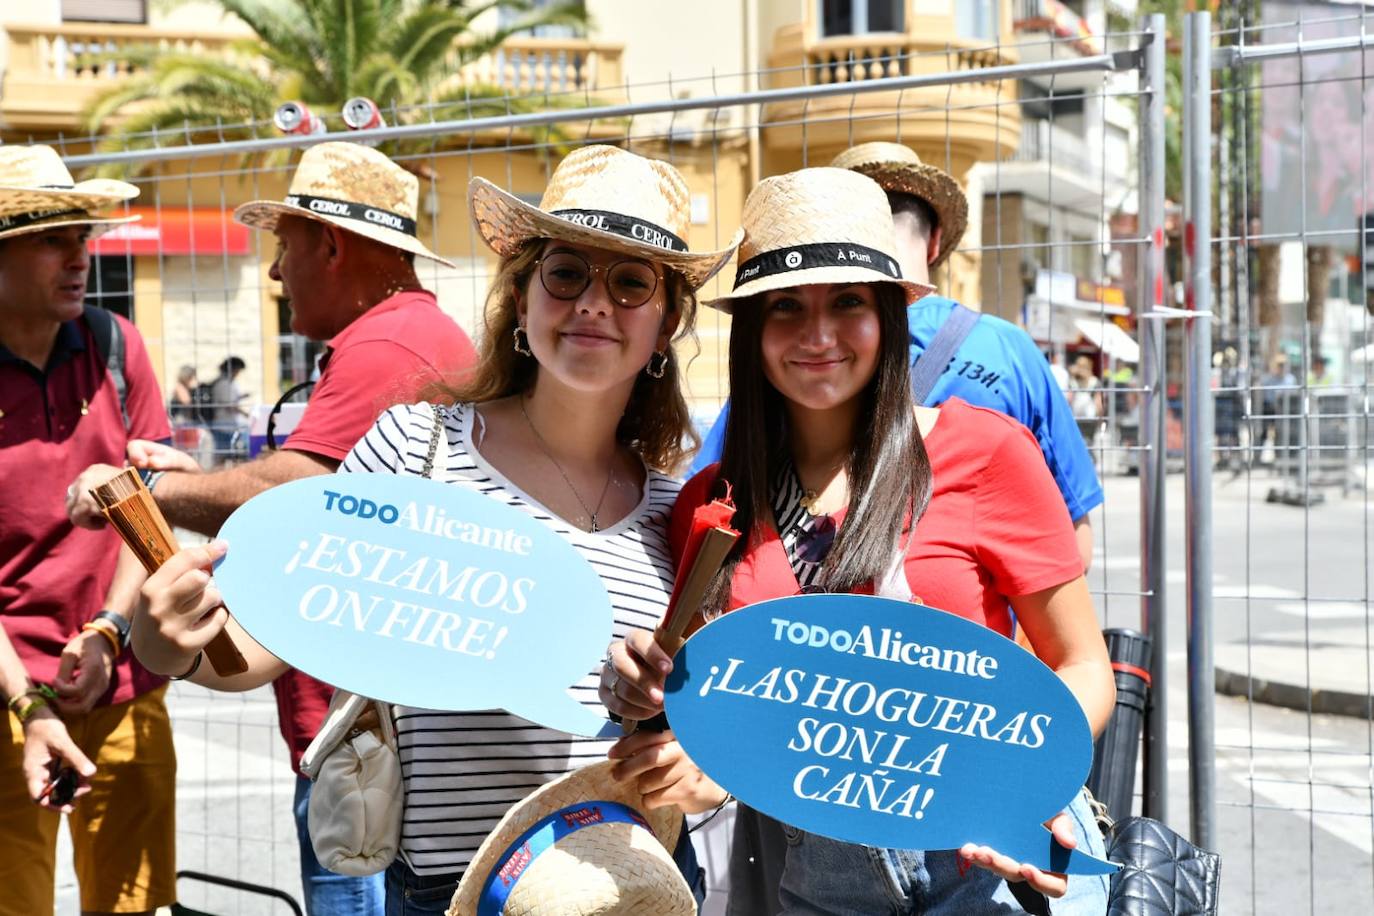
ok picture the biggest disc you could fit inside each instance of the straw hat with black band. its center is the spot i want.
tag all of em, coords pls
(898, 168)
(584, 844)
(606, 197)
(353, 187)
(821, 225)
(37, 193)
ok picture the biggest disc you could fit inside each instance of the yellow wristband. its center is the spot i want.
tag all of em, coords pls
(107, 632)
(24, 711)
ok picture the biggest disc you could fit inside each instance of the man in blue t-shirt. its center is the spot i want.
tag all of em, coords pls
(997, 365)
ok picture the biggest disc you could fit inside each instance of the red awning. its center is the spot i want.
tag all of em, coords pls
(176, 231)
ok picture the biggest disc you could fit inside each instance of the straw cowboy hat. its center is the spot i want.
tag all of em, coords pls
(353, 187)
(37, 192)
(606, 197)
(582, 844)
(820, 225)
(899, 169)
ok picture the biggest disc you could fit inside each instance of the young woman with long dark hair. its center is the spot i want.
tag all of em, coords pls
(843, 485)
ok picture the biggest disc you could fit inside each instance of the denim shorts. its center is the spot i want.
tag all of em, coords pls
(825, 877)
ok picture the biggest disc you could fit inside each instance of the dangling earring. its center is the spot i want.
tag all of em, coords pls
(658, 364)
(522, 342)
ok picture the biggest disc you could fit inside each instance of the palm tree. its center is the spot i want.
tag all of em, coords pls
(404, 54)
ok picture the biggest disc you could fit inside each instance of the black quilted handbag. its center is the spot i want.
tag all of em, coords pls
(1162, 874)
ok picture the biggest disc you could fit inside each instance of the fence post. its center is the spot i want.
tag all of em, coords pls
(1198, 418)
(1153, 415)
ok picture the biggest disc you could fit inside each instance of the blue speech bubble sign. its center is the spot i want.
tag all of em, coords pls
(890, 724)
(419, 593)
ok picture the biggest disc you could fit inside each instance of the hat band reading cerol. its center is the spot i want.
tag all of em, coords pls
(628, 226)
(548, 830)
(821, 254)
(373, 216)
(20, 220)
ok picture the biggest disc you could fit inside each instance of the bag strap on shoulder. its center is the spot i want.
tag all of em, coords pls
(109, 343)
(931, 364)
(435, 435)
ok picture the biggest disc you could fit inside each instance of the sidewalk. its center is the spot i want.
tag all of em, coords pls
(1325, 670)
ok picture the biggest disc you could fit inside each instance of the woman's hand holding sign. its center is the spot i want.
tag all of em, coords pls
(1050, 884)
(633, 675)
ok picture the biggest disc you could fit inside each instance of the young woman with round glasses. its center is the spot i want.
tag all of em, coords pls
(575, 417)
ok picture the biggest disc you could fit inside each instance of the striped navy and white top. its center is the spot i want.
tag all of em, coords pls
(805, 537)
(461, 771)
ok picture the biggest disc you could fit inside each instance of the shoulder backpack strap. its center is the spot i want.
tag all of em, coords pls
(435, 435)
(109, 342)
(931, 364)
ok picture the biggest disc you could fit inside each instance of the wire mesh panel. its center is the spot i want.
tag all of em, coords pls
(1293, 107)
(1041, 125)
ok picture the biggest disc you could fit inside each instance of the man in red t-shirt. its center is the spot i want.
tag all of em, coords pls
(346, 238)
(76, 386)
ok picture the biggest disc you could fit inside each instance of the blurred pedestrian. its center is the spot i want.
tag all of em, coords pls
(181, 404)
(1085, 397)
(1277, 389)
(76, 385)
(1228, 407)
(230, 416)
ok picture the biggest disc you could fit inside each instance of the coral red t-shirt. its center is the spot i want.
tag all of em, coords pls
(386, 357)
(53, 425)
(996, 526)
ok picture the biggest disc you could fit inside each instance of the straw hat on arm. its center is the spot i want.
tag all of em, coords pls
(353, 187)
(820, 225)
(606, 197)
(37, 192)
(583, 844)
(898, 168)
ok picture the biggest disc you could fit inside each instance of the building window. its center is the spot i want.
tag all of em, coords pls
(859, 17)
(105, 11)
(506, 17)
(978, 19)
(110, 284)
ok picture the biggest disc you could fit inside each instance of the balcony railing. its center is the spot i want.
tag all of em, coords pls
(1060, 148)
(50, 80)
(853, 58)
(978, 117)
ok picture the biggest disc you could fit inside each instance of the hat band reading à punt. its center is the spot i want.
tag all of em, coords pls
(821, 254)
(639, 230)
(20, 220)
(520, 855)
(373, 216)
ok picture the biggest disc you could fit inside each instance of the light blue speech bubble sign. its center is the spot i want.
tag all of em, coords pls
(889, 724)
(420, 593)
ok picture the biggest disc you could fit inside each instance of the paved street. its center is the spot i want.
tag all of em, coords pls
(1294, 790)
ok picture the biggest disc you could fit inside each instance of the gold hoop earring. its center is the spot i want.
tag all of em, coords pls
(521, 342)
(658, 364)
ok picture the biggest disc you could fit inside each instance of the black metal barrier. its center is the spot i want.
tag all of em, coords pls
(1117, 750)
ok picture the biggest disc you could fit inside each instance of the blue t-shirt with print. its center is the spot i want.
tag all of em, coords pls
(997, 366)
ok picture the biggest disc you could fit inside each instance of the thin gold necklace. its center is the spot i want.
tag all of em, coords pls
(591, 513)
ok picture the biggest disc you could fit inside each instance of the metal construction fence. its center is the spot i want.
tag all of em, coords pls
(1068, 155)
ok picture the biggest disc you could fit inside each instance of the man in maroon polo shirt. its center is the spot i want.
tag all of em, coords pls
(346, 238)
(67, 594)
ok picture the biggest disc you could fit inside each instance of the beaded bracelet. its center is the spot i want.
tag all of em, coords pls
(38, 696)
(92, 626)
